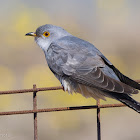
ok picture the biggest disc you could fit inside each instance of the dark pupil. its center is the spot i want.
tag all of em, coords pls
(46, 34)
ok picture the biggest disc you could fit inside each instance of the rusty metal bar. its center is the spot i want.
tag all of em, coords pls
(61, 109)
(98, 121)
(138, 81)
(30, 90)
(35, 114)
(35, 110)
(37, 89)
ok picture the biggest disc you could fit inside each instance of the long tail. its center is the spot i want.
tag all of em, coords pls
(127, 100)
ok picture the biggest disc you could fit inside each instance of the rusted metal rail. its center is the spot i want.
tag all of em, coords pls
(98, 121)
(34, 90)
(61, 109)
(30, 90)
(35, 114)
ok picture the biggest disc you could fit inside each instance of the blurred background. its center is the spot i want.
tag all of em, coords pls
(112, 26)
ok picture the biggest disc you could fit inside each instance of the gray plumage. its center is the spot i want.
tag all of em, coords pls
(82, 68)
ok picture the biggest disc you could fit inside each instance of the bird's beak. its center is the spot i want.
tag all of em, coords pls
(31, 34)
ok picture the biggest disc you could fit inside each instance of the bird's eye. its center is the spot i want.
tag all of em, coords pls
(46, 34)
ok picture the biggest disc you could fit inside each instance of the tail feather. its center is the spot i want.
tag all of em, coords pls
(131, 103)
(127, 100)
(122, 77)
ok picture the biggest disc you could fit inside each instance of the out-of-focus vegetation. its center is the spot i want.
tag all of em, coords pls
(112, 26)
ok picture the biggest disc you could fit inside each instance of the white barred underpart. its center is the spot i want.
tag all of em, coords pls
(84, 90)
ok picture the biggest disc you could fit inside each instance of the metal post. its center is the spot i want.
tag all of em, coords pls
(98, 121)
(35, 114)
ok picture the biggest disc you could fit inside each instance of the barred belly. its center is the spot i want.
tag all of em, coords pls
(86, 91)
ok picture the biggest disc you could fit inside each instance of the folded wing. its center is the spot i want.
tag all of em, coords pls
(85, 67)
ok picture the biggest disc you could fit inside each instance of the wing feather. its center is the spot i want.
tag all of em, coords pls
(85, 67)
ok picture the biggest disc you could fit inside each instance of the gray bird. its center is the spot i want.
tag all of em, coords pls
(82, 68)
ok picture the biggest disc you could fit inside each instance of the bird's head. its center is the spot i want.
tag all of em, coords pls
(46, 34)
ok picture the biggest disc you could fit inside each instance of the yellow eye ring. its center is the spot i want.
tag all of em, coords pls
(46, 34)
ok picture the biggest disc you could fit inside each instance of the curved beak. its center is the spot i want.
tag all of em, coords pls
(30, 34)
